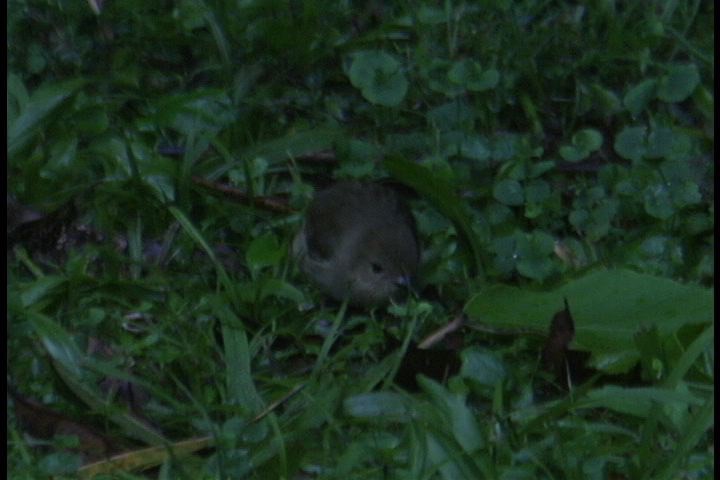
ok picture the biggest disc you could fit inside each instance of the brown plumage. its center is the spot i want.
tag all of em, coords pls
(358, 242)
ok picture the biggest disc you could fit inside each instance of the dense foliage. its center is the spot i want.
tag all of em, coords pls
(537, 141)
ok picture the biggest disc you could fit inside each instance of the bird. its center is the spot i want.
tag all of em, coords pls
(358, 243)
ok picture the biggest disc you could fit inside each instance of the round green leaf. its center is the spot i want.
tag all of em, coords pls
(264, 251)
(534, 255)
(475, 148)
(537, 191)
(505, 146)
(504, 249)
(497, 213)
(436, 73)
(571, 153)
(463, 71)
(509, 192)
(379, 77)
(470, 75)
(588, 139)
(687, 193)
(682, 146)
(660, 142)
(654, 246)
(601, 219)
(533, 210)
(658, 202)
(631, 143)
(679, 83)
(487, 80)
(579, 218)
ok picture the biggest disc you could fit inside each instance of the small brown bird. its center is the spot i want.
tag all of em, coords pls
(359, 243)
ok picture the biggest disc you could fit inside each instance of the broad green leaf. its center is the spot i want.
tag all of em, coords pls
(195, 234)
(275, 287)
(439, 454)
(483, 366)
(701, 422)
(62, 155)
(453, 406)
(39, 289)
(238, 372)
(201, 113)
(442, 454)
(70, 364)
(637, 401)
(604, 100)
(538, 168)
(378, 406)
(608, 307)
(637, 98)
(43, 102)
(701, 344)
(59, 344)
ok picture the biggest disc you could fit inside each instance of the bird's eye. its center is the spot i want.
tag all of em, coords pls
(376, 267)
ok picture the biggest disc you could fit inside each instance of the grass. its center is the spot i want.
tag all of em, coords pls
(538, 143)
